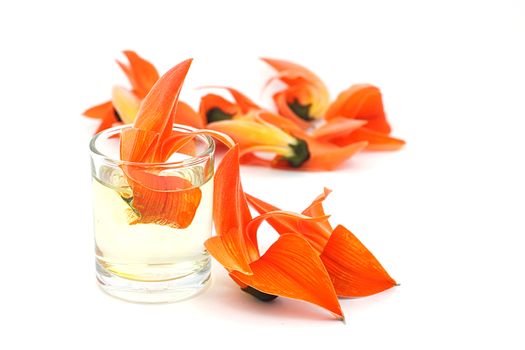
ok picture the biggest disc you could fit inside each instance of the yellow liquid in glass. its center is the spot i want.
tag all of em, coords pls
(148, 252)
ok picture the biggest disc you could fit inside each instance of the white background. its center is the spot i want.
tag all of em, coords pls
(445, 215)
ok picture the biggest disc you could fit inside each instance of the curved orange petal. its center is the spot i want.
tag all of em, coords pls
(143, 143)
(175, 208)
(354, 271)
(137, 145)
(304, 87)
(231, 214)
(361, 102)
(184, 114)
(336, 127)
(215, 108)
(141, 74)
(316, 209)
(243, 101)
(376, 141)
(312, 230)
(285, 110)
(161, 100)
(99, 111)
(284, 123)
(293, 71)
(126, 103)
(290, 220)
(291, 268)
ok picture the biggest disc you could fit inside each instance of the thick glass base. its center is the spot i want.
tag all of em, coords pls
(166, 291)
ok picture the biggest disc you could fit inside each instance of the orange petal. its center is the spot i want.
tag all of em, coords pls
(177, 141)
(292, 221)
(337, 127)
(291, 268)
(141, 74)
(161, 100)
(285, 110)
(163, 200)
(361, 102)
(316, 209)
(314, 231)
(126, 103)
(231, 214)
(303, 85)
(99, 111)
(106, 113)
(248, 132)
(244, 102)
(354, 271)
(376, 141)
(137, 145)
(185, 115)
(215, 108)
(293, 72)
(284, 123)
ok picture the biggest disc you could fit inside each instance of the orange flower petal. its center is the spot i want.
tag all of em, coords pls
(231, 214)
(137, 145)
(292, 221)
(99, 111)
(143, 143)
(355, 272)
(161, 100)
(106, 113)
(160, 199)
(284, 123)
(314, 231)
(293, 72)
(361, 102)
(126, 103)
(215, 108)
(376, 141)
(304, 87)
(292, 269)
(186, 115)
(337, 127)
(285, 110)
(141, 74)
(243, 101)
(316, 209)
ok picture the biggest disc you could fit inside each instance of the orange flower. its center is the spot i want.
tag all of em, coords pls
(289, 268)
(253, 134)
(123, 107)
(166, 200)
(354, 271)
(305, 98)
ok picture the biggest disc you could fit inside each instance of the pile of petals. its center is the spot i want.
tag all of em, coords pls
(308, 131)
(310, 261)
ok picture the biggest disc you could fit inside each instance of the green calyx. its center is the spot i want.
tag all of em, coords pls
(302, 111)
(258, 294)
(300, 154)
(216, 114)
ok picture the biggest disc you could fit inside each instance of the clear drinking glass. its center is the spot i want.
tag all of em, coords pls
(149, 258)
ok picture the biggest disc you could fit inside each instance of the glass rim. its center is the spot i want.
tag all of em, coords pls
(193, 160)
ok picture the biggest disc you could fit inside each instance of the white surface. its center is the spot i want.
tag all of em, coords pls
(444, 216)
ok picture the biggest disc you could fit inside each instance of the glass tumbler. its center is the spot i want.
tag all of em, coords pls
(151, 220)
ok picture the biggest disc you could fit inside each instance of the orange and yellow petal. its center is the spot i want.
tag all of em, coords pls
(126, 103)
